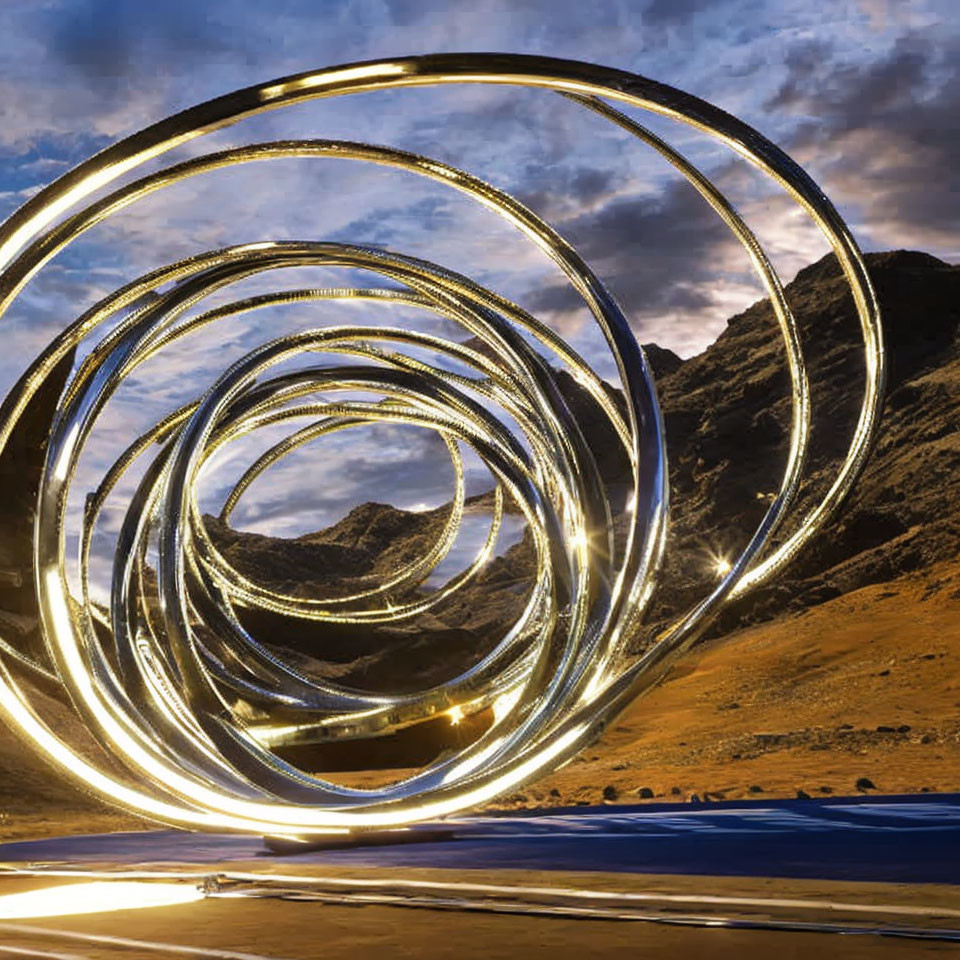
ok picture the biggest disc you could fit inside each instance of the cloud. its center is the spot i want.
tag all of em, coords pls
(675, 11)
(884, 138)
(662, 256)
(319, 484)
(104, 42)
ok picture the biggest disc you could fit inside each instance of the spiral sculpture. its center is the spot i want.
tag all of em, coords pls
(166, 677)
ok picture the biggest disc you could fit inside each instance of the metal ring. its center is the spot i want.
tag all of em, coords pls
(163, 694)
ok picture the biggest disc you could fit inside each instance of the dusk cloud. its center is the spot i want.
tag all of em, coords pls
(884, 135)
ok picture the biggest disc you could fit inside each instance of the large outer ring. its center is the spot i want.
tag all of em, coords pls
(569, 77)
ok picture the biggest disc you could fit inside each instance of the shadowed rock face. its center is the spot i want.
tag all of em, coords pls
(727, 413)
(372, 541)
(728, 418)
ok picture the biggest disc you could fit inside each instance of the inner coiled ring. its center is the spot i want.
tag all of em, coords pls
(168, 678)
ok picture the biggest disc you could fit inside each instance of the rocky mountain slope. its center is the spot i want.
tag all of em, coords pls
(727, 416)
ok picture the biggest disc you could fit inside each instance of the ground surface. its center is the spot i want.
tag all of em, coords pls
(864, 686)
(271, 930)
(875, 840)
(536, 857)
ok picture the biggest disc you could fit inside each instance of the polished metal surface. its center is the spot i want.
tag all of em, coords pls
(174, 702)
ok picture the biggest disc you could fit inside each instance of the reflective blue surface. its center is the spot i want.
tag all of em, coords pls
(905, 839)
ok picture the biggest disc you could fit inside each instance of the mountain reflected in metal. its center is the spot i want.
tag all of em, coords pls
(169, 680)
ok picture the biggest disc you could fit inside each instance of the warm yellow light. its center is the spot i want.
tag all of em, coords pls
(330, 78)
(579, 539)
(721, 566)
(505, 703)
(455, 714)
(98, 897)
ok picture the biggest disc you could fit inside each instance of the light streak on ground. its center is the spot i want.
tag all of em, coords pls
(98, 897)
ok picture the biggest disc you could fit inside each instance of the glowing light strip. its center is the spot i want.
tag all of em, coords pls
(96, 897)
(495, 889)
(152, 946)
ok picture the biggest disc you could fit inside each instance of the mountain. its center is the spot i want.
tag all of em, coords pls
(727, 414)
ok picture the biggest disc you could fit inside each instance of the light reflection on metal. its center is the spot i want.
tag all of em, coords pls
(176, 708)
(721, 566)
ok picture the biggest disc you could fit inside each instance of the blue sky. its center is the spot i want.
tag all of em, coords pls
(864, 93)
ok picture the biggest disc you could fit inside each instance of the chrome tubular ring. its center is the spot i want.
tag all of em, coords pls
(160, 678)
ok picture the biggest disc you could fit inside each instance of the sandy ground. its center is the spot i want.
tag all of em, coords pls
(863, 686)
(301, 932)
